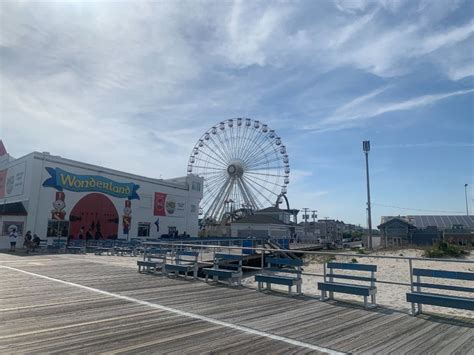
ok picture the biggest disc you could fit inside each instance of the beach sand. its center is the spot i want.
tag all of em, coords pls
(394, 270)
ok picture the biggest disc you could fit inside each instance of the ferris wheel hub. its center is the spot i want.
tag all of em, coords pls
(235, 169)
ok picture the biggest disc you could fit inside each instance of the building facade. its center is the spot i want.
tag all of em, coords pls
(426, 230)
(55, 197)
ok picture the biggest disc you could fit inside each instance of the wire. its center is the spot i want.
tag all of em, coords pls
(415, 209)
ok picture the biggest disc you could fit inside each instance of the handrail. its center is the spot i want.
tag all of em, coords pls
(207, 246)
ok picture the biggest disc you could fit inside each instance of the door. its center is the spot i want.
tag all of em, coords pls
(97, 214)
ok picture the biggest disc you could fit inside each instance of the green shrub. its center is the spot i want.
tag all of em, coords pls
(361, 251)
(354, 261)
(445, 250)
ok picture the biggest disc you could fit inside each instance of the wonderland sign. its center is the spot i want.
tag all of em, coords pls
(63, 180)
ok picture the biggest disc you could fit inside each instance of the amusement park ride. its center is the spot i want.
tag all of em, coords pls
(245, 167)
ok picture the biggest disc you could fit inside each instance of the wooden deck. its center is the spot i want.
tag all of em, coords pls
(92, 304)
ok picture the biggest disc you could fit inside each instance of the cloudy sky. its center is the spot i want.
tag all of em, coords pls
(133, 85)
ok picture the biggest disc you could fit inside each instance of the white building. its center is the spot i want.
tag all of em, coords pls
(56, 197)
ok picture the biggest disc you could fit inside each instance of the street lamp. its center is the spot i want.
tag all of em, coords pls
(366, 147)
(465, 193)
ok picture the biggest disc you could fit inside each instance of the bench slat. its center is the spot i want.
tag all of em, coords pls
(218, 272)
(280, 280)
(352, 266)
(346, 288)
(187, 253)
(349, 277)
(229, 257)
(441, 300)
(148, 263)
(456, 275)
(444, 287)
(281, 261)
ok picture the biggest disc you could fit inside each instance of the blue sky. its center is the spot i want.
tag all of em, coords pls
(133, 85)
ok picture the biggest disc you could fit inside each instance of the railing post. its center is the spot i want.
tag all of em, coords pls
(262, 253)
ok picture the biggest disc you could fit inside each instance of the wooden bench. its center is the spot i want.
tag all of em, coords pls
(225, 268)
(329, 285)
(185, 262)
(418, 297)
(272, 275)
(153, 262)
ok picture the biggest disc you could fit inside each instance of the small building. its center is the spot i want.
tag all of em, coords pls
(396, 231)
(55, 197)
(270, 222)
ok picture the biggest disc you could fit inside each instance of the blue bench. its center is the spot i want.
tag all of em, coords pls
(153, 262)
(272, 275)
(184, 262)
(106, 246)
(57, 246)
(418, 297)
(225, 268)
(329, 285)
(76, 246)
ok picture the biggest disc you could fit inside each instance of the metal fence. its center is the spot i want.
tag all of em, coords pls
(213, 248)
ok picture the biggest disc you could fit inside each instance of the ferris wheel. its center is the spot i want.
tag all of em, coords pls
(245, 167)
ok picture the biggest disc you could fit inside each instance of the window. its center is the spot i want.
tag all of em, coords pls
(57, 228)
(143, 229)
(196, 186)
(193, 208)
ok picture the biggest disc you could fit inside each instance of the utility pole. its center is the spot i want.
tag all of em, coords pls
(366, 147)
(305, 217)
(465, 193)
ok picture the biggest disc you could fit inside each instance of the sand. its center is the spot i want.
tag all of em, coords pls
(391, 296)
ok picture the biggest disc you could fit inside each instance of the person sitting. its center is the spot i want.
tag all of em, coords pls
(28, 243)
(36, 241)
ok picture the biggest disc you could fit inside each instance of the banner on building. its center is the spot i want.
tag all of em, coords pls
(63, 180)
(169, 205)
(12, 180)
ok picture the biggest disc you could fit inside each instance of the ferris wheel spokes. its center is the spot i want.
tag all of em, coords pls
(243, 165)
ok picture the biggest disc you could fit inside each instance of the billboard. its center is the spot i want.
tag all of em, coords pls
(12, 180)
(169, 205)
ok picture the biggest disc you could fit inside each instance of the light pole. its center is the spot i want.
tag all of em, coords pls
(366, 147)
(465, 193)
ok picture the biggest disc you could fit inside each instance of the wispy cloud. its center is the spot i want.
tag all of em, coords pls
(364, 107)
(435, 144)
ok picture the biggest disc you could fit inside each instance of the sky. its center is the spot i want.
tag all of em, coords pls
(133, 85)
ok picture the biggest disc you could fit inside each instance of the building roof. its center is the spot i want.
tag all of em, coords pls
(271, 209)
(441, 222)
(259, 219)
(386, 220)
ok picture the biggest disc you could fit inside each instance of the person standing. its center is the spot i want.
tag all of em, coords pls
(80, 235)
(13, 237)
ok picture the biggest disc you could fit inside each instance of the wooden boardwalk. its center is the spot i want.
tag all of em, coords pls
(93, 304)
